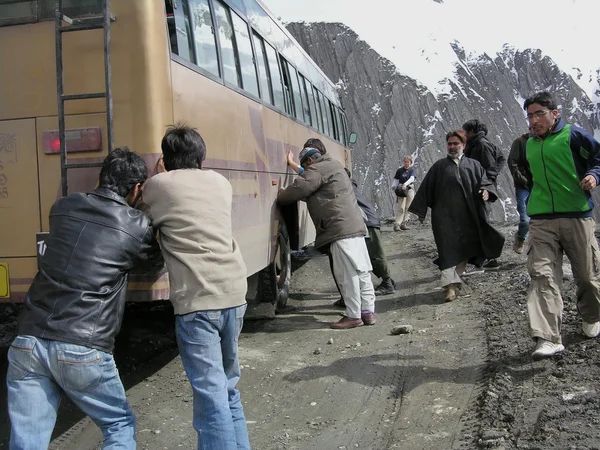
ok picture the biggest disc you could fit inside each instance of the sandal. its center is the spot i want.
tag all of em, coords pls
(340, 303)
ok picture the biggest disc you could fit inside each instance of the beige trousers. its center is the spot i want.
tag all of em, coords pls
(548, 239)
(402, 205)
(351, 267)
(452, 275)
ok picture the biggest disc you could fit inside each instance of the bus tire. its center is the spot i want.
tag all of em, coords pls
(274, 280)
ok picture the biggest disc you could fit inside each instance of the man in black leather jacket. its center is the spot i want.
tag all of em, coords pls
(74, 309)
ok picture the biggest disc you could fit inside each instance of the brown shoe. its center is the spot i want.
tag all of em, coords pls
(396, 227)
(368, 318)
(519, 245)
(404, 227)
(450, 292)
(346, 322)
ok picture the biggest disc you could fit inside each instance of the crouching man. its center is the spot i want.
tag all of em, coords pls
(341, 231)
(192, 209)
(74, 309)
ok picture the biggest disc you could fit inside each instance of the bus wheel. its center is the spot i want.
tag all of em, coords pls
(274, 280)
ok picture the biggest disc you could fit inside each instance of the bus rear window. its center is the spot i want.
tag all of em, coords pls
(34, 11)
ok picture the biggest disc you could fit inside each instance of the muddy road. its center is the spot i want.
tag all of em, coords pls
(463, 379)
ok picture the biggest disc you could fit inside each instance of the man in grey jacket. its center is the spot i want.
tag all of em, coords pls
(340, 228)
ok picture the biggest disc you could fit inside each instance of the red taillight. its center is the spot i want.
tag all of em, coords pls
(78, 140)
(55, 145)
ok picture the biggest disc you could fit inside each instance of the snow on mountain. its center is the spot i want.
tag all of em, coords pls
(418, 35)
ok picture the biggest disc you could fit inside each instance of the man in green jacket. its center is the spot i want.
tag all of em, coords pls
(565, 165)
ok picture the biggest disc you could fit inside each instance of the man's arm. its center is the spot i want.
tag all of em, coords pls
(591, 148)
(303, 186)
(150, 257)
(515, 162)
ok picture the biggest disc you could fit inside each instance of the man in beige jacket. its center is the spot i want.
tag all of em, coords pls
(191, 208)
(341, 231)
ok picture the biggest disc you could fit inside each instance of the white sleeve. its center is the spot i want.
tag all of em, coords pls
(395, 183)
(410, 181)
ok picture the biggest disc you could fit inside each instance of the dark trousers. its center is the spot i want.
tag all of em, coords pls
(377, 254)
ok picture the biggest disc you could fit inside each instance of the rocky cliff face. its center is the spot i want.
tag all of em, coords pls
(394, 115)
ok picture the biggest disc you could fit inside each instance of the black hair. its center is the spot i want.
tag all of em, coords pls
(315, 143)
(542, 98)
(475, 126)
(121, 170)
(183, 148)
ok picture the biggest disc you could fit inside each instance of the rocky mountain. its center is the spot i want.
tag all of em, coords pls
(395, 115)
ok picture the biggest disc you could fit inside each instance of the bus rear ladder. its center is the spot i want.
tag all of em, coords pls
(83, 23)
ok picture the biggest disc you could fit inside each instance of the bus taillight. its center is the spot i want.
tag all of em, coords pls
(78, 140)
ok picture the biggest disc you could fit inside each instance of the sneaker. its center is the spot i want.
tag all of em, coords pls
(491, 264)
(368, 317)
(396, 227)
(519, 245)
(545, 349)
(472, 270)
(386, 287)
(404, 227)
(450, 292)
(590, 330)
(346, 322)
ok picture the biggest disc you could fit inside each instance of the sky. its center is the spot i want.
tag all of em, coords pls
(415, 34)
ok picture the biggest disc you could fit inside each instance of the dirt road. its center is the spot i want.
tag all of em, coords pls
(463, 379)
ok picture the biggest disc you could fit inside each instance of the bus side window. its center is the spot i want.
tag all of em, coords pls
(334, 121)
(296, 93)
(228, 53)
(171, 26)
(325, 112)
(287, 87)
(318, 109)
(183, 32)
(263, 74)
(244, 47)
(308, 118)
(276, 82)
(203, 45)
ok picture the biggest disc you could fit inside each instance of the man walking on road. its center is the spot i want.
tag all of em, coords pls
(74, 309)
(340, 228)
(455, 188)
(492, 160)
(192, 209)
(565, 165)
(519, 169)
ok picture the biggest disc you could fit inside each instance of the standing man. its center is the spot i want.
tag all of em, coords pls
(404, 179)
(192, 209)
(492, 160)
(455, 188)
(519, 169)
(565, 166)
(340, 228)
(74, 309)
(373, 241)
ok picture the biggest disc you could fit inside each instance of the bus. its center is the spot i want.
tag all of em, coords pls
(226, 67)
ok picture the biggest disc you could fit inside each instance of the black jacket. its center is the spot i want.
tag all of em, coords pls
(78, 294)
(518, 165)
(489, 156)
(373, 219)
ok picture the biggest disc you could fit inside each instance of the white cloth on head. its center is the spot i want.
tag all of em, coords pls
(352, 269)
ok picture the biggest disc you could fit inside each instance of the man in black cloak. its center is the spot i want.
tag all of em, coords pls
(455, 188)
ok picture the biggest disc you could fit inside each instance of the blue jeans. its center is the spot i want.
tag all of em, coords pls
(522, 196)
(208, 345)
(39, 370)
